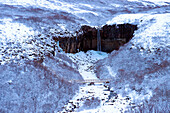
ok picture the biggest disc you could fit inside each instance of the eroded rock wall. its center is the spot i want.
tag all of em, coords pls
(112, 37)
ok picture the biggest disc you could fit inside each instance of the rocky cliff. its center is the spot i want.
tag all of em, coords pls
(111, 38)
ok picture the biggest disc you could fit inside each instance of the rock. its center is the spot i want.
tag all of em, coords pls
(112, 37)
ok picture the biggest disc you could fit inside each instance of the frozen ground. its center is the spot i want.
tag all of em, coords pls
(95, 97)
(86, 62)
(140, 69)
(71, 14)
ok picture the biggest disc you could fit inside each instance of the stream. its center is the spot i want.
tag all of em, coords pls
(94, 97)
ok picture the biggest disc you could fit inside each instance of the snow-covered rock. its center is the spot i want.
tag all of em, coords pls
(140, 69)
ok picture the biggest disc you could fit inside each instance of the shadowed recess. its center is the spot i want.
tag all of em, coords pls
(106, 39)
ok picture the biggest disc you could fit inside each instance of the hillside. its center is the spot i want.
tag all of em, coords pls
(37, 75)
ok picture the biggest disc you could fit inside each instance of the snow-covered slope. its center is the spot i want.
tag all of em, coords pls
(140, 69)
(36, 86)
(25, 23)
(73, 12)
(86, 61)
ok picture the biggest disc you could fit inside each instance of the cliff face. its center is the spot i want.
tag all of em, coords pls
(112, 37)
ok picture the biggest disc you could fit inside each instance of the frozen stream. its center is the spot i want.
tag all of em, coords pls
(86, 62)
(94, 97)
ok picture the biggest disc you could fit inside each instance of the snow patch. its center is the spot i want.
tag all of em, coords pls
(12, 32)
(111, 71)
(14, 39)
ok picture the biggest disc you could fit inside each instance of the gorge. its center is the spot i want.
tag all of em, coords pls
(84, 56)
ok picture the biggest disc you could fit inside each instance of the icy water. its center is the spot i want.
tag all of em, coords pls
(94, 97)
(97, 98)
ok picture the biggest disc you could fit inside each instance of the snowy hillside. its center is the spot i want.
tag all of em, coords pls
(37, 76)
(31, 24)
(35, 86)
(140, 69)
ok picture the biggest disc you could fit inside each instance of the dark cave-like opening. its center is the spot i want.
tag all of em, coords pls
(110, 37)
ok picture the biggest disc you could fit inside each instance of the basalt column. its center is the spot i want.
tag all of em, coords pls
(107, 39)
(114, 36)
(98, 40)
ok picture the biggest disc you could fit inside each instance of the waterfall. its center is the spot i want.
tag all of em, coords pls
(98, 40)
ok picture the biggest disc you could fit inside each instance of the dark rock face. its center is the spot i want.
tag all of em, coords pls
(112, 37)
(116, 35)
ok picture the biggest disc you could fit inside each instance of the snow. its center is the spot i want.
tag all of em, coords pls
(116, 103)
(99, 90)
(155, 2)
(53, 4)
(62, 26)
(86, 62)
(153, 32)
(151, 26)
(115, 5)
(13, 38)
(22, 84)
(141, 57)
(85, 12)
(87, 5)
(12, 32)
(111, 71)
(9, 81)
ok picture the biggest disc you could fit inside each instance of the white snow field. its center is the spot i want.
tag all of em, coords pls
(150, 27)
(13, 38)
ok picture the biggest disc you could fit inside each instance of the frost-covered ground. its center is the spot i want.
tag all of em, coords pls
(97, 97)
(139, 70)
(72, 13)
(86, 61)
(37, 86)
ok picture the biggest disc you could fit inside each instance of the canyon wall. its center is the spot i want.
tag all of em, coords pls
(112, 37)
